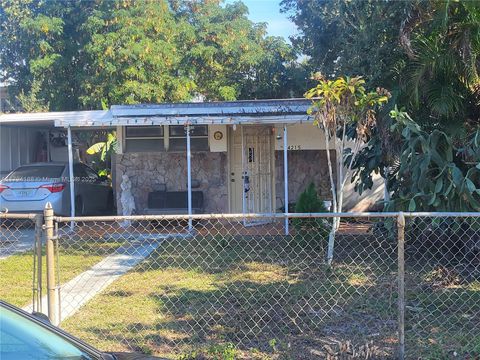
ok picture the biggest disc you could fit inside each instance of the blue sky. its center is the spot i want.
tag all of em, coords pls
(269, 11)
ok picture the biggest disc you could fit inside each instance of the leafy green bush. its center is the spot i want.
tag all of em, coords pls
(435, 174)
(311, 228)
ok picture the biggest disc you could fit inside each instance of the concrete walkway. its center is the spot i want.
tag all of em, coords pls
(81, 289)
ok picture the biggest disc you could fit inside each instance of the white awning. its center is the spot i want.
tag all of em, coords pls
(209, 113)
(51, 119)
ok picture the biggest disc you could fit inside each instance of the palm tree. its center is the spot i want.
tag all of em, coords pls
(441, 80)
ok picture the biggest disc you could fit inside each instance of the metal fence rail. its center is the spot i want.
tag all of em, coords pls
(400, 285)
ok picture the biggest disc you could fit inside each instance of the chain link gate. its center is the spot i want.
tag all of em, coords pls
(21, 260)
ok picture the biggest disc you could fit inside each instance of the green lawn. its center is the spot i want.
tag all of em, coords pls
(16, 271)
(442, 319)
(269, 296)
(261, 298)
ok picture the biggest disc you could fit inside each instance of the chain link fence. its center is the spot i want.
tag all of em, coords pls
(229, 286)
(20, 251)
(156, 286)
(442, 277)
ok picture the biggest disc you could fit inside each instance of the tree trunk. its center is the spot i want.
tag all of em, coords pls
(331, 236)
(386, 192)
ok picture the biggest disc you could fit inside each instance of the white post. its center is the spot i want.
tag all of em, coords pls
(285, 174)
(189, 179)
(71, 177)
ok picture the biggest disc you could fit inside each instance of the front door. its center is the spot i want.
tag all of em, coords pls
(251, 169)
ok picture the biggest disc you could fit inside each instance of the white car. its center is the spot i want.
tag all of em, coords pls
(28, 188)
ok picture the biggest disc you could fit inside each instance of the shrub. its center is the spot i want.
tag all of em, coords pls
(311, 228)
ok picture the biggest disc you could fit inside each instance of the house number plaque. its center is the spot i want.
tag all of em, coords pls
(218, 135)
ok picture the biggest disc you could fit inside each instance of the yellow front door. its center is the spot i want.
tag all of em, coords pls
(251, 169)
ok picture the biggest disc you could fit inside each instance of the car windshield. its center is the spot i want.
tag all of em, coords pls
(21, 338)
(36, 173)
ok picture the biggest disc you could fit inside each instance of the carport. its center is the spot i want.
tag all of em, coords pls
(19, 149)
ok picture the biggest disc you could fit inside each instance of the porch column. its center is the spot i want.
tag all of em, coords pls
(285, 174)
(71, 177)
(189, 179)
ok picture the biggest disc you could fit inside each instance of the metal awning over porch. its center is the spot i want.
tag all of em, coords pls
(250, 112)
(207, 113)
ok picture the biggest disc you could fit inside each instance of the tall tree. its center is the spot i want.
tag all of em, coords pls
(441, 84)
(69, 55)
(133, 54)
(230, 57)
(343, 37)
(41, 50)
(425, 52)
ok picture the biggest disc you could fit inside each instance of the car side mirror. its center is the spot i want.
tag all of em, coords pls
(42, 317)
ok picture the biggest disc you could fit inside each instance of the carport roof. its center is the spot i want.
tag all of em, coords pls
(222, 112)
(50, 119)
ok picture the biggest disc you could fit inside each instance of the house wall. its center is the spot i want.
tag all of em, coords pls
(301, 137)
(304, 166)
(149, 170)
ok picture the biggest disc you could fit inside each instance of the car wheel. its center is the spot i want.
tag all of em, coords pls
(79, 208)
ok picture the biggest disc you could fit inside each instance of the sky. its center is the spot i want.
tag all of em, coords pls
(269, 11)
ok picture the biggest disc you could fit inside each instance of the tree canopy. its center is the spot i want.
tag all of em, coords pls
(71, 55)
(425, 52)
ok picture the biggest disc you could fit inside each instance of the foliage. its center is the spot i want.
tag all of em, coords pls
(346, 112)
(441, 82)
(41, 51)
(71, 55)
(134, 54)
(426, 52)
(349, 37)
(309, 202)
(104, 151)
(434, 174)
(31, 102)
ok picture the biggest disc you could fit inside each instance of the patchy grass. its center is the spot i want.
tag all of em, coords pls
(16, 271)
(193, 295)
(442, 315)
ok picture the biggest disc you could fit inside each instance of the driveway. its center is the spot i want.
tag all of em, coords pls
(14, 240)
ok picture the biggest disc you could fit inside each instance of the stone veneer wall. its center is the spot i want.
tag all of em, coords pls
(148, 170)
(304, 166)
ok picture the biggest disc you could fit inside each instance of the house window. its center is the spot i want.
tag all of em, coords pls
(144, 139)
(178, 138)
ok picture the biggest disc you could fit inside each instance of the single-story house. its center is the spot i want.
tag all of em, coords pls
(233, 152)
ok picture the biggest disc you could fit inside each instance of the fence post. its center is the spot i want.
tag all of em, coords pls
(401, 285)
(38, 250)
(50, 245)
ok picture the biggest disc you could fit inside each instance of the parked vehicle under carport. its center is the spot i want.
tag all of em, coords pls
(28, 188)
